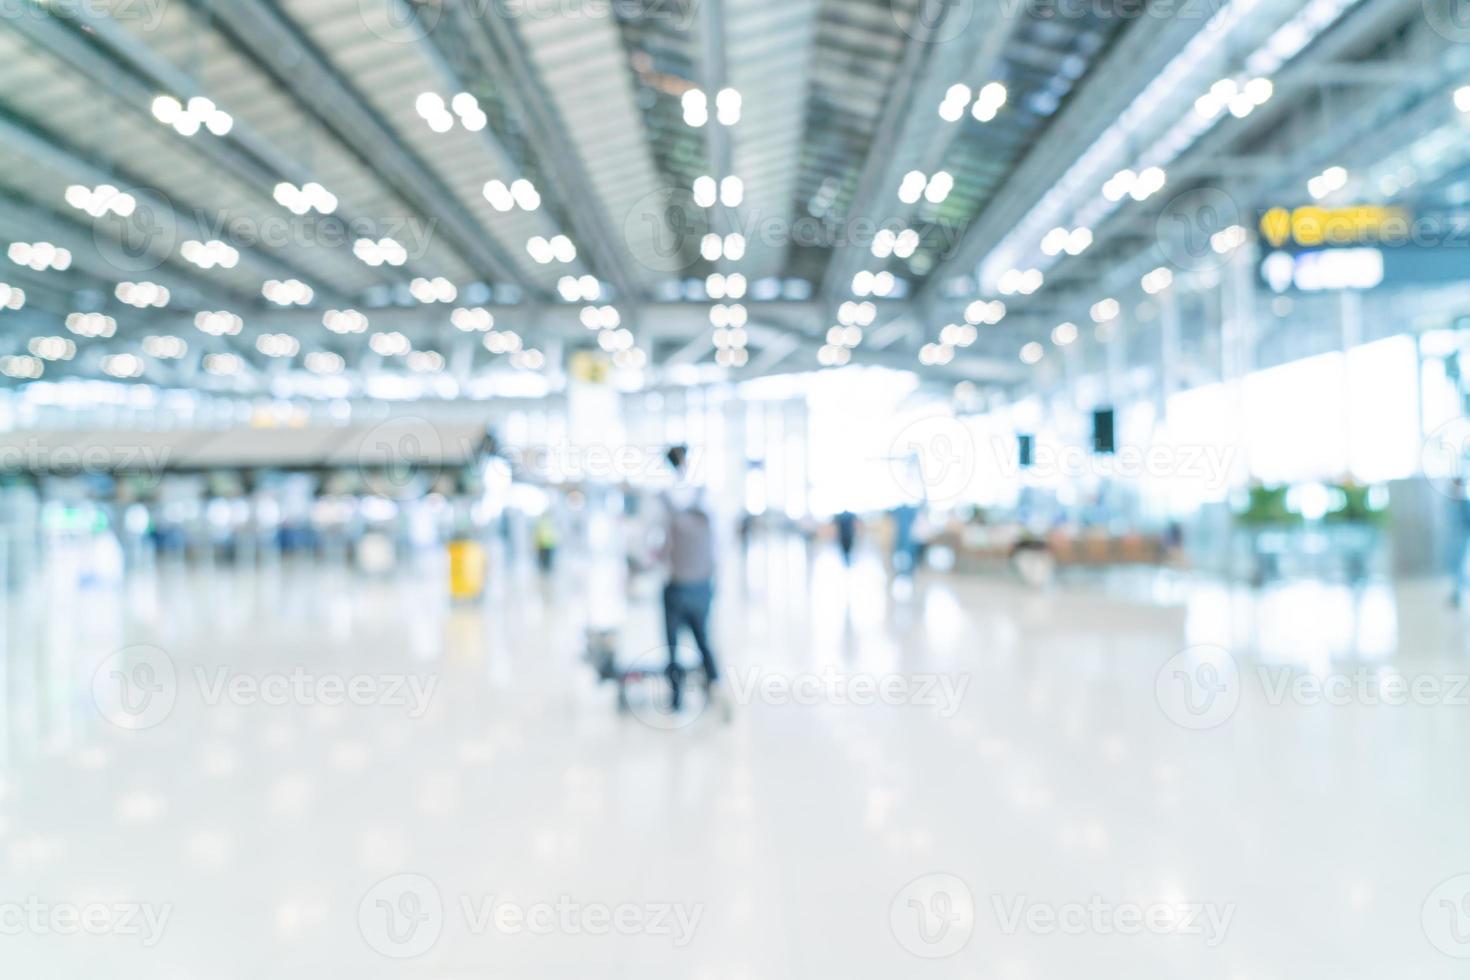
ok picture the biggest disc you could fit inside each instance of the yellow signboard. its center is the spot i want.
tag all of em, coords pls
(1312, 226)
(588, 367)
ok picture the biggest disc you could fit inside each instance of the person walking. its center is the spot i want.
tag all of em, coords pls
(846, 523)
(689, 555)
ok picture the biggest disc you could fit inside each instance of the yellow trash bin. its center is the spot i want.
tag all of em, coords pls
(466, 569)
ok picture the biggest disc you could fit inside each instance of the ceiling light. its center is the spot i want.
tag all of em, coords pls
(562, 249)
(100, 200)
(705, 191)
(1064, 334)
(988, 101)
(906, 243)
(165, 347)
(732, 191)
(525, 194)
(498, 195)
(53, 348)
(425, 361)
(142, 294)
(209, 254)
(989, 313)
(11, 297)
(912, 187)
(1150, 181)
(1104, 310)
(1032, 353)
(91, 324)
(122, 365)
(935, 354)
(696, 107)
(22, 366)
(290, 292)
(956, 98)
(1157, 281)
(187, 119)
(277, 345)
(529, 359)
(380, 252)
(389, 344)
(734, 246)
(830, 355)
(223, 364)
(938, 187)
(727, 106)
(325, 362)
(345, 321)
(218, 323)
(436, 290)
(310, 196)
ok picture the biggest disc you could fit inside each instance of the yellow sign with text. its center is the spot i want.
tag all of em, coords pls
(1312, 226)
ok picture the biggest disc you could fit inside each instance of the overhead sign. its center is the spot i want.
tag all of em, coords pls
(1314, 227)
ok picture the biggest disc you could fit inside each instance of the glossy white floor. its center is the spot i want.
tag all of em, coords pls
(976, 780)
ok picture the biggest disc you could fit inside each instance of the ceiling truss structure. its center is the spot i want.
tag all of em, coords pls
(586, 102)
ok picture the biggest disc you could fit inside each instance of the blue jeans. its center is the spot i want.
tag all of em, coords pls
(688, 604)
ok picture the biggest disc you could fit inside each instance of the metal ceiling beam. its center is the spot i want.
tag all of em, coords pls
(278, 44)
(187, 285)
(888, 140)
(1129, 66)
(1302, 150)
(501, 54)
(74, 165)
(135, 75)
